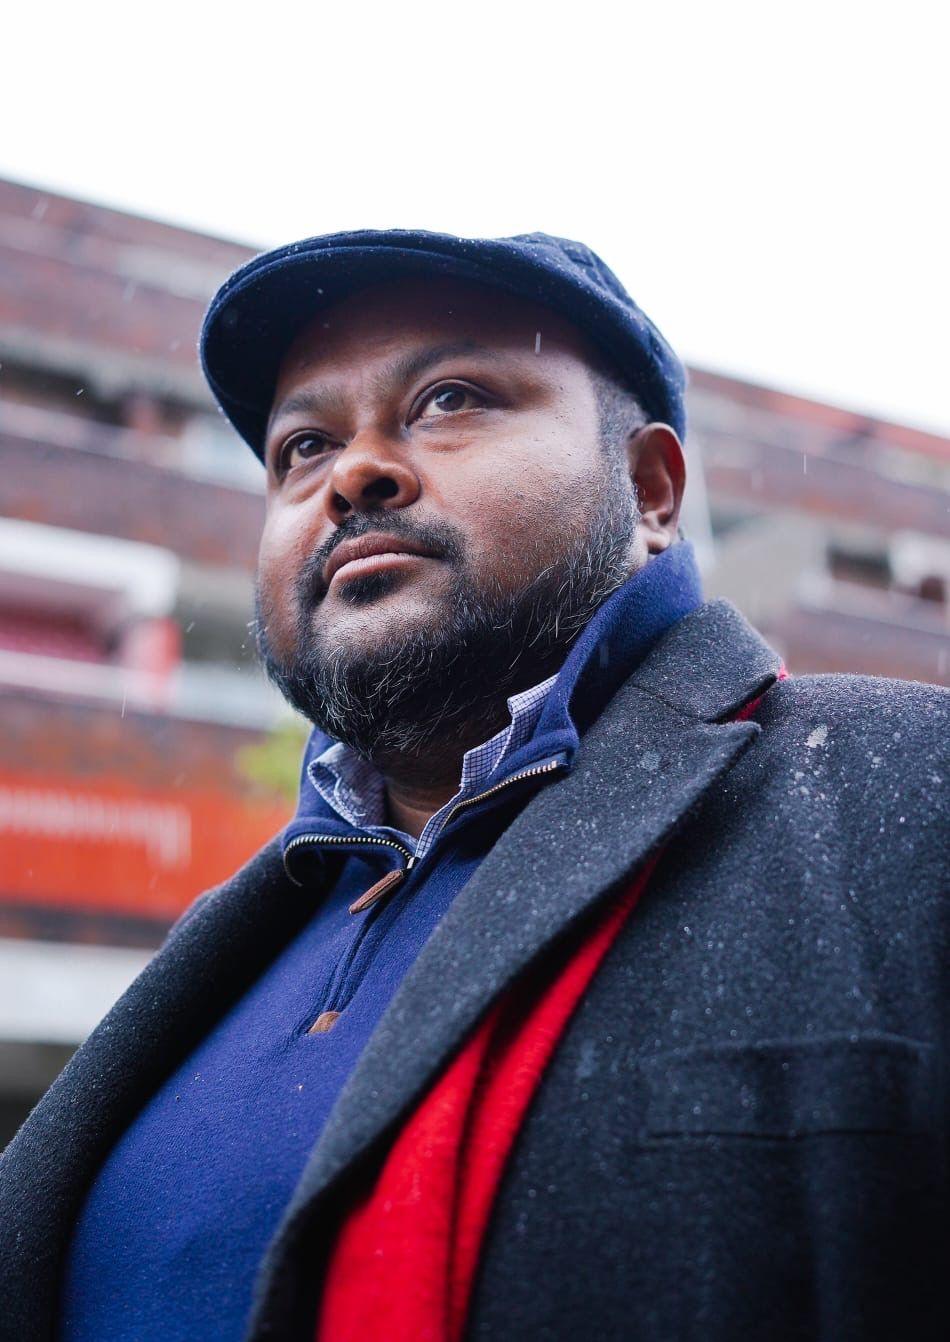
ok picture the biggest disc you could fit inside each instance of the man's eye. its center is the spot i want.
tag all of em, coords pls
(302, 448)
(447, 399)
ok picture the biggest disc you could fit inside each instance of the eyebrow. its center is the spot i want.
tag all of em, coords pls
(320, 400)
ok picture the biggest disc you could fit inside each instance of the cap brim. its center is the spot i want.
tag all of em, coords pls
(259, 311)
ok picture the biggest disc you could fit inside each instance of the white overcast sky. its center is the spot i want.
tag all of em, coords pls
(769, 180)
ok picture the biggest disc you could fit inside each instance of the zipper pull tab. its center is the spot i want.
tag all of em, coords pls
(376, 892)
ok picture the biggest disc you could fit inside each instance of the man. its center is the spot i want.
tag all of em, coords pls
(598, 987)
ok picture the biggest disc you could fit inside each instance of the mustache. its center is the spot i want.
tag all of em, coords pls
(441, 540)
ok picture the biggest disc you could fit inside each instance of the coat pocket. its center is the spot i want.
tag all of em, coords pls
(786, 1088)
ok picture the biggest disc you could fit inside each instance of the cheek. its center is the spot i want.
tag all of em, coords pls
(280, 558)
(523, 515)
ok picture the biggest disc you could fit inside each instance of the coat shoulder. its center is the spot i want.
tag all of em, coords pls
(896, 723)
(871, 750)
(265, 866)
(855, 694)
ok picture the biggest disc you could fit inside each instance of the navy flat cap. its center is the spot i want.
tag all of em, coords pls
(257, 312)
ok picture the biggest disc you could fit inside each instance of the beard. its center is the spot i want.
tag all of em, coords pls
(448, 679)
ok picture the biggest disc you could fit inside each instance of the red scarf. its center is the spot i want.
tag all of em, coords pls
(403, 1264)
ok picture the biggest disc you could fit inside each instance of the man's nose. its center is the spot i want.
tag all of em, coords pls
(369, 474)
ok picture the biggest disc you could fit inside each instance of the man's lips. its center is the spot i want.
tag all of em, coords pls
(376, 546)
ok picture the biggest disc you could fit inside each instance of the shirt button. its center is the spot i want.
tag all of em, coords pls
(324, 1022)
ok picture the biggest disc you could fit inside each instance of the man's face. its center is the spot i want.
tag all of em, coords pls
(454, 429)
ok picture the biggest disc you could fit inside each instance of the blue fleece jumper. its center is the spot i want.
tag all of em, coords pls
(170, 1236)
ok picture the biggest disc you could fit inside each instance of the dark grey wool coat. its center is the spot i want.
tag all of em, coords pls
(743, 1133)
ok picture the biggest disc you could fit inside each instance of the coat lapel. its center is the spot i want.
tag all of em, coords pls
(208, 962)
(648, 759)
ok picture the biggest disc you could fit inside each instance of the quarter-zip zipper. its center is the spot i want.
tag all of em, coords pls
(387, 884)
(329, 839)
(347, 842)
(383, 886)
(547, 767)
(394, 879)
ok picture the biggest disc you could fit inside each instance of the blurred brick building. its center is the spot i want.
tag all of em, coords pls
(140, 752)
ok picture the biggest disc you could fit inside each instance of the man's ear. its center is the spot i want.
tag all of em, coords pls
(658, 470)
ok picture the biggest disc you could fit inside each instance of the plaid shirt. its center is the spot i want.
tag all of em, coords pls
(355, 789)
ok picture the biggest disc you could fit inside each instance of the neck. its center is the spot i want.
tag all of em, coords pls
(410, 809)
(419, 784)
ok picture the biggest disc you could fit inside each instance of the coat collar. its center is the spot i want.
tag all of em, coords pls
(660, 743)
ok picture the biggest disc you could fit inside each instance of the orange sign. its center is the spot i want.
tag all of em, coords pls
(103, 845)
